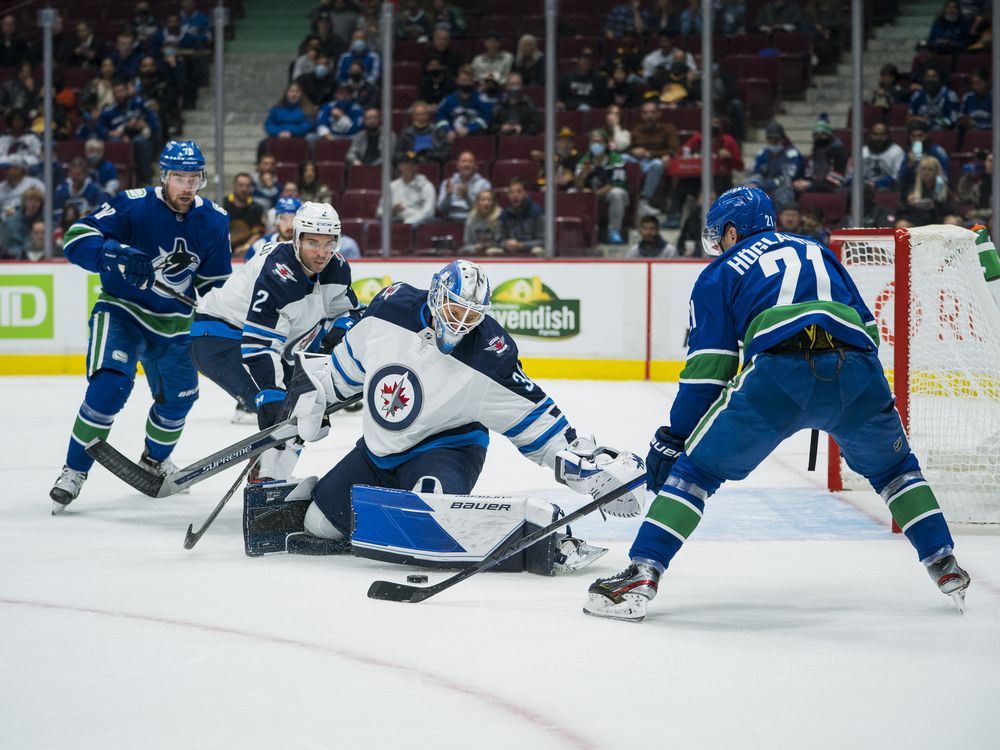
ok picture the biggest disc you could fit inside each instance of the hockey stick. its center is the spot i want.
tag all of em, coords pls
(193, 304)
(400, 592)
(157, 284)
(156, 485)
(191, 537)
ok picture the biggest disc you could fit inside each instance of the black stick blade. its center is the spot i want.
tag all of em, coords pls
(397, 592)
(147, 482)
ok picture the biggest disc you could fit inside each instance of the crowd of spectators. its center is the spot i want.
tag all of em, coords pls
(468, 97)
(120, 86)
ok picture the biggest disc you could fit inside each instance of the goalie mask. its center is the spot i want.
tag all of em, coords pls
(458, 298)
(316, 218)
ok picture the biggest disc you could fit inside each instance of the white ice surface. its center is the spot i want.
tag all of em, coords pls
(792, 619)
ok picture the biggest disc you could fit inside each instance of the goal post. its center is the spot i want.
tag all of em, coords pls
(939, 330)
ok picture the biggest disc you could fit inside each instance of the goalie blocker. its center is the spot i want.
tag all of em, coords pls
(415, 528)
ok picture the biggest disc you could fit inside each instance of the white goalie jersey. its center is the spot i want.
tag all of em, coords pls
(417, 398)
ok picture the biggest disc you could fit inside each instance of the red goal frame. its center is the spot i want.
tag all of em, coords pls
(902, 305)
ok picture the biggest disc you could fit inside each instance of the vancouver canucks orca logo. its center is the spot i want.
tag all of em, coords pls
(395, 397)
(176, 267)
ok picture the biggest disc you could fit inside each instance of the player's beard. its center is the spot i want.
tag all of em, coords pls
(178, 203)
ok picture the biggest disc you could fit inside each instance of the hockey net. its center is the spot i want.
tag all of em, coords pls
(940, 346)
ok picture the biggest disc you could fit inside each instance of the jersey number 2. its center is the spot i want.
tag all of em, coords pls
(786, 295)
(261, 299)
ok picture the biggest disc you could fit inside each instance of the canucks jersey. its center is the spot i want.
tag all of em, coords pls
(190, 251)
(760, 292)
(272, 306)
(417, 398)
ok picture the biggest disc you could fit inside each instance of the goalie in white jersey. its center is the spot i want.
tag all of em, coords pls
(437, 375)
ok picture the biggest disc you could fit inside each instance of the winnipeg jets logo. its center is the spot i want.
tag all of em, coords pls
(283, 272)
(175, 267)
(395, 397)
(498, 345)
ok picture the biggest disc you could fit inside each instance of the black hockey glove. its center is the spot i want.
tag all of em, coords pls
(269, 407)
(337, 331)
(664, 450)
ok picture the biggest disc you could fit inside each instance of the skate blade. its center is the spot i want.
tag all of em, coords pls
(581, 558)
(58, 508)
(959, 598)
(632, 608)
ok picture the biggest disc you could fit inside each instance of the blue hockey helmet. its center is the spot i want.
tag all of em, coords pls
(748, 209)
(182, 156)
(458, 298)
(287, 204)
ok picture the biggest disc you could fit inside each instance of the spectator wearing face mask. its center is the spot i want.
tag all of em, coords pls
(319, 87)
(436, 81)
(882, 159)
(935, 102)
(826, 168)
(365, 93)
(516, 113)
(370, 61)
(366, 146)
(463, 112)
(603, 172)
(778, 166)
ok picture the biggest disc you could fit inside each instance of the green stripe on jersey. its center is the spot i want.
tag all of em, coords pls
(710, 366)
(717, 406)
(675, 514)
(77, 231)
(912, 503)
(775, 317)
(84, 431)
(164, 324)
(160, 435)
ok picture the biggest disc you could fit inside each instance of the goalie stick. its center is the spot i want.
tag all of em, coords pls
(191, 537)
(157, 485)
(400, 592)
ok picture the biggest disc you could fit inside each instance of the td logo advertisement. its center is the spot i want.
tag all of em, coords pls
(26, 306)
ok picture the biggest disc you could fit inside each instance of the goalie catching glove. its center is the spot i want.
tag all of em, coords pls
(594, 470)
(310, 392)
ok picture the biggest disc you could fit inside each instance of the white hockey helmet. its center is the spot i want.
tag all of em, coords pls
(316, 218)
(458, 298)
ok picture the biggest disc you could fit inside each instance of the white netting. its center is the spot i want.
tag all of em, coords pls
(954, 361)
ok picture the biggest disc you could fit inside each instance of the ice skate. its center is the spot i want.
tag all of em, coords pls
(624, 596)
(574, 554)
(66, 489)
(163, 468)
(243, 415)
(950, 579)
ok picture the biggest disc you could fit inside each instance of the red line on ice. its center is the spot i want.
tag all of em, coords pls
(569, 737)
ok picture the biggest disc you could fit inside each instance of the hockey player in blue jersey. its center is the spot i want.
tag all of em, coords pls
(285, 209)
(246, 332)
(810, 361)
(437, 374)
(168, 235)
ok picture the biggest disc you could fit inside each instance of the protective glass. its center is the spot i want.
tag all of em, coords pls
(326, 245)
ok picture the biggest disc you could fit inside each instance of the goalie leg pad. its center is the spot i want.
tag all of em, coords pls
(452, 531)
(273, 513)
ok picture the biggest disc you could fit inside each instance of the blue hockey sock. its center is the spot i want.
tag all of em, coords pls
(917, 513)
(106, 395)
(163, 428)
(672, 517)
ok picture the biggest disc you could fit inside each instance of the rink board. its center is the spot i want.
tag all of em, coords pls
(616, 320)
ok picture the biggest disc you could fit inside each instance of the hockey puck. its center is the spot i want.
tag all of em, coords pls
(416, 578)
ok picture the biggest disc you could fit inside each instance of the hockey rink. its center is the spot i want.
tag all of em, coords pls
(792, 619)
